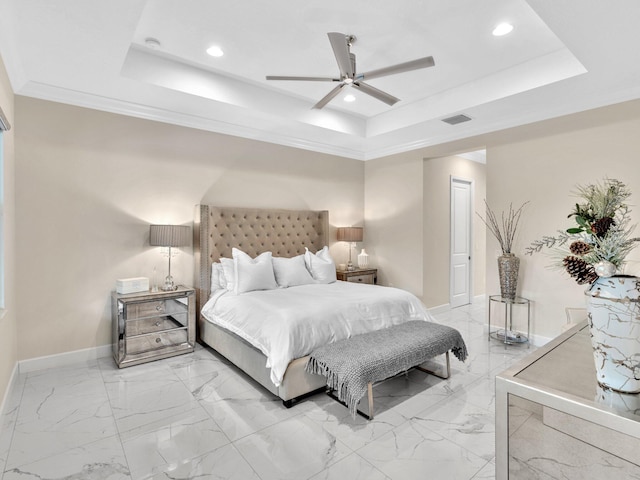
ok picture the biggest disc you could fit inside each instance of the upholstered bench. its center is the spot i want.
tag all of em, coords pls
(354, 364)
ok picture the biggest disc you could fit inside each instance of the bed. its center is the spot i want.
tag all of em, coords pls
(285, 233)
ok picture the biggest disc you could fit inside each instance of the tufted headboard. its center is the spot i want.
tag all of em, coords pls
(284, 232)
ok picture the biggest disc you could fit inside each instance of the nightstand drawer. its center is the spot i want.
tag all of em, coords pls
(368, 276)
(147, 325)
(155, 308)
(361, 279)
(154, 342)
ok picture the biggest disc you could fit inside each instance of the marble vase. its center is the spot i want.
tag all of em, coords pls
(613, 307)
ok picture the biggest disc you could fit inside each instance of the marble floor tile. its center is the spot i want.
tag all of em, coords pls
(201, 362)
(467, 425)
(294, 449)
(410, 394)
(413, 451)
(481, 393)
(123, 384)
(103, 459)
(248, 411)
(136, 408)
(220, 383)
(196, 416)
(9, 417)
(53, 419)
(224, 463)
(166, 445)
(336, 419)
(354, 467)
(488, 472)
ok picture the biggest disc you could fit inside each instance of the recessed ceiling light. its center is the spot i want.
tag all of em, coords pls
(152, 43)
(349, 98)
(502, 29)
(215, 51)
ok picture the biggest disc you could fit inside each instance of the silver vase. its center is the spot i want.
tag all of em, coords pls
(508, 265)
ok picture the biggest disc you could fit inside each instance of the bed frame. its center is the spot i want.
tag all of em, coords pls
(286, 233)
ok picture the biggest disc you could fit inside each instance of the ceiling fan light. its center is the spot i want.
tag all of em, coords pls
(502, 29)
(152, 43)
(215, 51)
(349, 98)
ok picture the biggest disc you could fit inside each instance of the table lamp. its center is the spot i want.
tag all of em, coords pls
(169, 236)
(350, 235)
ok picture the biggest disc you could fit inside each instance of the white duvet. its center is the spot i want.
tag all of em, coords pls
(288, 323)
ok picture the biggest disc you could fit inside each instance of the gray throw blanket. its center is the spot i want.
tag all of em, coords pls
(352, 363)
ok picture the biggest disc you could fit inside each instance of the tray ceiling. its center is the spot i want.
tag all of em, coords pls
(561, 57)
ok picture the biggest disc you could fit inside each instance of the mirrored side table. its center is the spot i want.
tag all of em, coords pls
(508, 335)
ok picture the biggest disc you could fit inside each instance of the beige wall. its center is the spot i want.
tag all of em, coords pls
(407, 222)
(544, 167)
(437, 225)
(89, 184)
(8, 323)
(393, 219)
(540, 163)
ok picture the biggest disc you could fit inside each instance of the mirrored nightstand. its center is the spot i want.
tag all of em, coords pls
(359, 275)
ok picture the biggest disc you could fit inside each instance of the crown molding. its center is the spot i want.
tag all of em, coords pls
(52, 93)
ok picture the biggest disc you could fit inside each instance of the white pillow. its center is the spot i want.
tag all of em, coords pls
(321, 265)
(252, 273)
(291, 271)
(217, 277)
(228, 277)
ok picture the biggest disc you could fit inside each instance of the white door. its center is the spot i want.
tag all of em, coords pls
(461, 221)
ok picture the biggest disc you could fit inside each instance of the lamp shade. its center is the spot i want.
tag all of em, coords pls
(350, 234)
(169, 236)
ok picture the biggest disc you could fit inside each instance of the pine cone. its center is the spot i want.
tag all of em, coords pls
(579, 248)
(580, 270)
(601, 226)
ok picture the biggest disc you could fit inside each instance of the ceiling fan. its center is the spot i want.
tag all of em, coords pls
(341, 45)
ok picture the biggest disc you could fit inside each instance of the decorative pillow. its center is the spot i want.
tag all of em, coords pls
(291, 271)
(321, 265)
(217, 277)
(252, 273)
(228, 276)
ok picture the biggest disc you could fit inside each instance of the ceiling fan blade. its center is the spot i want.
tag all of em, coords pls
(308, 79)
(340, 46)
(328, 97)
(375, 93)
(399, 68)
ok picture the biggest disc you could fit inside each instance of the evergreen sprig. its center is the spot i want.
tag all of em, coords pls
(602, 222)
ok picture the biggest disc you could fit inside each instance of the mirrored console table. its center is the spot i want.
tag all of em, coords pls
(553, 420)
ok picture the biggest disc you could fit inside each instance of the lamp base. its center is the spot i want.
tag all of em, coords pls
(168, 286)
(350, 266)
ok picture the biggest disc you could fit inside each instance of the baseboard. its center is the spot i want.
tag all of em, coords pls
(447, 306)
(479, 298)
(63, 359)
(539, 340)
(439, 309)
(9, 389)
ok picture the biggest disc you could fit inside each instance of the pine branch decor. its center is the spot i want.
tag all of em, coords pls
(601, 239)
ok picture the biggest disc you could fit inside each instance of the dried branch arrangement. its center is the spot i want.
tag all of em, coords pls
(505, 229)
